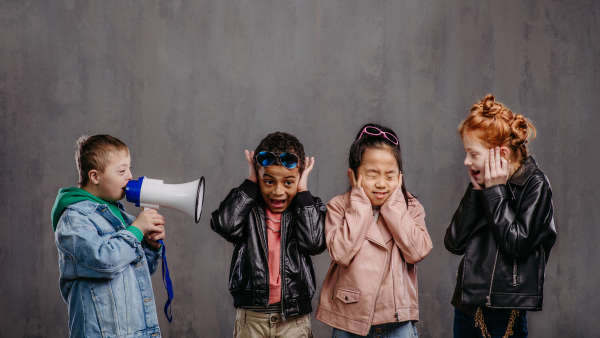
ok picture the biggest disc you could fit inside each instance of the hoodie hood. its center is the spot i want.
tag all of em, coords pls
(68, 196)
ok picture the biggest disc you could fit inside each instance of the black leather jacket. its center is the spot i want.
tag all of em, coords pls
(506, 233)
(241, 219)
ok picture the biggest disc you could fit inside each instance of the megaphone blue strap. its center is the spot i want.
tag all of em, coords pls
(167, 282)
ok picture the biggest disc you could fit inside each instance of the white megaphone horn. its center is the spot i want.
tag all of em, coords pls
(150, 193)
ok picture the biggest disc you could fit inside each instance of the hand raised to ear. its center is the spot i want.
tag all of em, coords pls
(353, 181)
(303, 183)
(497, 168)
(251, 171)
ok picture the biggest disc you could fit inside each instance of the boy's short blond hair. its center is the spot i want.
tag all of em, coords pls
(93, 152)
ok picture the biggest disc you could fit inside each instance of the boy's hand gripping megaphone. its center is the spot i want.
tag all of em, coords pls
(150, 193)
(186, 197)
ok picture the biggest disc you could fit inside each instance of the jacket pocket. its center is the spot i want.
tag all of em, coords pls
(348, 296)
(105, 307)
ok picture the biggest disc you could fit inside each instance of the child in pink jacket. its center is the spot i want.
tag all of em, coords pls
(375, 235)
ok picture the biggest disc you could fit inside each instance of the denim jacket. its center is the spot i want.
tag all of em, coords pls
(105, 274)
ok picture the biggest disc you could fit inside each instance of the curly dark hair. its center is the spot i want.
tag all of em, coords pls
(280, 142)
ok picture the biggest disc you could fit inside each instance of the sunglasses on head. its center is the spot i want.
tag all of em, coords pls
(266, 158)
(378, 132)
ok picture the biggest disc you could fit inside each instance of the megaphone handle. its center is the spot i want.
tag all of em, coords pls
(166, 279)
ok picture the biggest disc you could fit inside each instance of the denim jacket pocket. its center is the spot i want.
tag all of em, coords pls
(105, 306)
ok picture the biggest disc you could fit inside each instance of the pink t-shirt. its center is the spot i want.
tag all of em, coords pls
(274, 241)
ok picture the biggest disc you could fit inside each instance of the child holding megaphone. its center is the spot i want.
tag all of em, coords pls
(276, 225)
(105, 255)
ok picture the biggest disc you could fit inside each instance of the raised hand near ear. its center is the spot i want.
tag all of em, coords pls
(353, 181)
(303, 183)
(497, 168)
(251, 171)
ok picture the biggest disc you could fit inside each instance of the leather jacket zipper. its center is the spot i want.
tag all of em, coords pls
(489, 297)
(281, 258)
(515, 273)
(264, 249)
(377, 294)
(394, 286)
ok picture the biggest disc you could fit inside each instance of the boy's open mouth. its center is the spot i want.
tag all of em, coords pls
(278, 203)
(476, 172)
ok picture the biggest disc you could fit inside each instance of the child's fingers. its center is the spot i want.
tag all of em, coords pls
(158, 221)
(498, 159)
(312, 163)
(158, 236)
(359, 182)
(486, 166)
(492, 164)
(150, 211)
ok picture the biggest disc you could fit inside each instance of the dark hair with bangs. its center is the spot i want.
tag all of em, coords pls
(357, 151)
(280, 142)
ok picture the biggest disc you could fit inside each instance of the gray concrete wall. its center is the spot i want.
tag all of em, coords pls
(189, 85)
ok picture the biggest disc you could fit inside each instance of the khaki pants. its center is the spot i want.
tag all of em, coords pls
(250, 324)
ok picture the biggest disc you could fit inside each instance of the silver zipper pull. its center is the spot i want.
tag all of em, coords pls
(397, 316)
(489, 301)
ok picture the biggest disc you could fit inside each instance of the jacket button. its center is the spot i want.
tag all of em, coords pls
(378, 330)
(346, 298)
(273, 319)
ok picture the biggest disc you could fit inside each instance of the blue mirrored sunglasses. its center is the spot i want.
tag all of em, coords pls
(266, 158)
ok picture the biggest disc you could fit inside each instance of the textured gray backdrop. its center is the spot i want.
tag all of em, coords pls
(189, 85)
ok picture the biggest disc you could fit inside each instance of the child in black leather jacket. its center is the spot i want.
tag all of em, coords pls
(276, 225)
(504, 226)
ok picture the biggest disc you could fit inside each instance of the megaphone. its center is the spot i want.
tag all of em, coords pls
(150, 193)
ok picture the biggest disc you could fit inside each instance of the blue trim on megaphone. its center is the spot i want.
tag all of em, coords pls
(133, 190)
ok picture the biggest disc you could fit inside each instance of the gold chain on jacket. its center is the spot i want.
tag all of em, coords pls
(484, 332)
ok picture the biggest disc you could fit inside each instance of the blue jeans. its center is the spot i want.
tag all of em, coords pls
(389, 330)
(497, 323)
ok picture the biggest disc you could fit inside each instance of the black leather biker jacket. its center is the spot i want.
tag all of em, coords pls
(241, 220)
(505, 233)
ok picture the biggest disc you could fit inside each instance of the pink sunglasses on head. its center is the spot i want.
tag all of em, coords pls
(377, 132)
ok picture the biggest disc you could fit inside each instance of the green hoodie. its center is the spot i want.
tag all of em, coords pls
(68, 196)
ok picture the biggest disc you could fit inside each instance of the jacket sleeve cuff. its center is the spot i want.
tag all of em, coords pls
(304, 199)
(473, 195)
(358, 194)
(136, 232)
(495, 192)
(250, 188)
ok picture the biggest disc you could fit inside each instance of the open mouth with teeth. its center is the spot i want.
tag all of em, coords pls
(278, 203)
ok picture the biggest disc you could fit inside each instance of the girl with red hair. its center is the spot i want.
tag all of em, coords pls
(503, 227)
